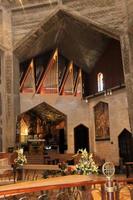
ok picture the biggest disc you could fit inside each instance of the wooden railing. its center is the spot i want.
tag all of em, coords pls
(71, 187)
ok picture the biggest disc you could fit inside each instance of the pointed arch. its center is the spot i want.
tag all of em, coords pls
(125, 141)
(81, 137)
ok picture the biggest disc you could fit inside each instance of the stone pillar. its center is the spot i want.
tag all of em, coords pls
(0, 103)
(70, 136)
(126, 40)
(127, 57)
(8, 79)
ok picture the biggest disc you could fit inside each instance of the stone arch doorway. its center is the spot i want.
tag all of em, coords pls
(125, 140)
(81, 137)
(42, 125)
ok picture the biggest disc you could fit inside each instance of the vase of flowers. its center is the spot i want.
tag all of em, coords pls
(19, 161)
(86, 164)
(21, 158)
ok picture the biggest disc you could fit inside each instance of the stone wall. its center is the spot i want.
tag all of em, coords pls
(107, 16)
(74, 108)
(0, 107)
(78, 112)
(23, 22)
(17, 24)
(0, 25)
(7, 118)
(118, 120)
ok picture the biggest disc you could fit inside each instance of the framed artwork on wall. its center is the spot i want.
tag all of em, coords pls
(101, 115)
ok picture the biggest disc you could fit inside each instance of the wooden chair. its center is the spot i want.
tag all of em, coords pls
(6, 170)
(43, 197)
(7, 174)
(23, 198)
(77, 195)
(62, 196)
(3, 198)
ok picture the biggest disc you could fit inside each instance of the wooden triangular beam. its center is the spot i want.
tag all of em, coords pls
(49, 82)
(78, 84)
(28, 82)
(67, 84)
(23, 68)
(62, 69)
(41, 62)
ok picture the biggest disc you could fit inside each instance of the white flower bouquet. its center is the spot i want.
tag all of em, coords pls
(86, 164)
(21, 158)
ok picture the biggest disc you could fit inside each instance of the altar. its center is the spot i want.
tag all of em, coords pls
(36, 145)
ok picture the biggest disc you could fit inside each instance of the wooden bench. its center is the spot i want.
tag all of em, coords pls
(129, 166)
(55, 158)
(6, 170)
(7, 174)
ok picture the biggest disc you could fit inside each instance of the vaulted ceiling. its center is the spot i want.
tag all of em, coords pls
(82, 35)
(75, 40)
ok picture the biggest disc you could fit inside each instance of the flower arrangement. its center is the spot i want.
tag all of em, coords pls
(86, 164)
(65, 169)
(21, 158)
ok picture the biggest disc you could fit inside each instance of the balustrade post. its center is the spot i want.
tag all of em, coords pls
(108, 170)
(14, 172)
(109, 187)
(103, 193)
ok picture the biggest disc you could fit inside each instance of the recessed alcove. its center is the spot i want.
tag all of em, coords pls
(40, 129)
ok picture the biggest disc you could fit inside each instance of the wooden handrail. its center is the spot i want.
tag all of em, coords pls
(55, 183)
(48, 184)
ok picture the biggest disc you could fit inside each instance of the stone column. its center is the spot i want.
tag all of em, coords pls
(127, 57)
(8, 79)
(0, 103)
(70, 136)
(126, 40)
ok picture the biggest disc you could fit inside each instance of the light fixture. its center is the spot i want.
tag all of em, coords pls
(86, 100)
(108, 92)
